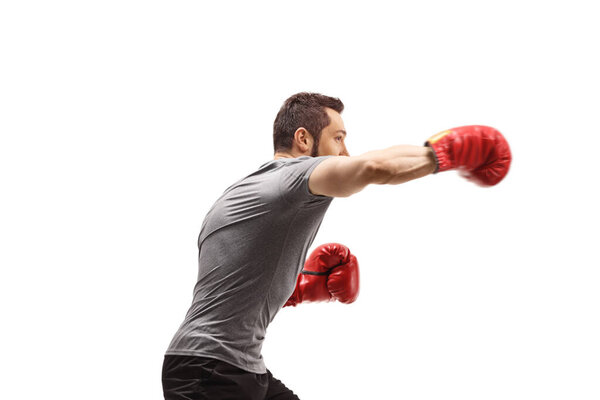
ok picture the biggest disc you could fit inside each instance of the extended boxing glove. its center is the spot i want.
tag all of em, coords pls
(330, 273)
(481, 153)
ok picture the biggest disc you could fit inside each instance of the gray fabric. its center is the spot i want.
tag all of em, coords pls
(252, 246)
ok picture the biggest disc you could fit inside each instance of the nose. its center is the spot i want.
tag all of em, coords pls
(345, 152)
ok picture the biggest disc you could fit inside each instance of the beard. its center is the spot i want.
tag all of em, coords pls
(315, 148)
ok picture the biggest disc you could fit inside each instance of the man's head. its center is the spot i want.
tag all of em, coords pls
(310, 124)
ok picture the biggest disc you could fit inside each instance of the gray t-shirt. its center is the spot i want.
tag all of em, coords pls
(252, 246)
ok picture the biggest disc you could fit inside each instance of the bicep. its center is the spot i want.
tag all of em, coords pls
(343, 176)
(340, 176)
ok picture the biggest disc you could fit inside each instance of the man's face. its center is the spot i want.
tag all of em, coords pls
(333, 136)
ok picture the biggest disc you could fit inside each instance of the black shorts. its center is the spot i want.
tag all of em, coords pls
(195, 378)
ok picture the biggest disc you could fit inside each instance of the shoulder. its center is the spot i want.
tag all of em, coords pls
(295, 174)
(304, 162)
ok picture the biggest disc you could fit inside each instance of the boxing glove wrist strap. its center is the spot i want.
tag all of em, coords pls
(435, 157)
(320, 273)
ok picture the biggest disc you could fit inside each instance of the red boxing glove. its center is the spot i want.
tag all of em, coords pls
(480, 152)
(330, 273)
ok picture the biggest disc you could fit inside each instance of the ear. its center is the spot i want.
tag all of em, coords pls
(303, 140)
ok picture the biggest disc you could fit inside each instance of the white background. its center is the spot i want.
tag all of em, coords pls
(123, 121)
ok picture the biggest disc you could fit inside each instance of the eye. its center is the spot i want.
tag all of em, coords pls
(338, 138)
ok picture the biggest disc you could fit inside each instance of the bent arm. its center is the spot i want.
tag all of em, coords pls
(345, 176)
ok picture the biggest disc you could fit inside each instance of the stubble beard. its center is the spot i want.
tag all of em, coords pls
(315, 149)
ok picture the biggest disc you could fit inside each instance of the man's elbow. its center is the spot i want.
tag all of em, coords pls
(352, 180)
(377, 172)
(363, 174)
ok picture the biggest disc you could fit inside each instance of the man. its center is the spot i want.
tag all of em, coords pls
(256, 236)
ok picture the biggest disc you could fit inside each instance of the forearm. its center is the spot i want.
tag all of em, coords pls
(399, 164)
(344, 176)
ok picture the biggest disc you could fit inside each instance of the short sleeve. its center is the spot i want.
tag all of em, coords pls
(293, 183)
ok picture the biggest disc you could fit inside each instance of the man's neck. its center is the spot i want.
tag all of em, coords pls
(292, 154)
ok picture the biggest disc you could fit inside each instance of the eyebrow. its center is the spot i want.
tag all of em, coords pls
(342, 131)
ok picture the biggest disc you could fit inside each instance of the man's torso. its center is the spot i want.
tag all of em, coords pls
(252, 246)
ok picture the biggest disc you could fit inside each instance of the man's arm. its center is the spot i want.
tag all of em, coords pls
(345, 176)
(480, 152)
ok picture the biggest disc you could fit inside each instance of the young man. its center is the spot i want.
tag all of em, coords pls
(255, 238)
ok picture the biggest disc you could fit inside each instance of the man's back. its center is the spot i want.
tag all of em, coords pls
(252, 245)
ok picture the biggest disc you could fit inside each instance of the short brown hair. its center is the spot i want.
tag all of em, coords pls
(303, 110)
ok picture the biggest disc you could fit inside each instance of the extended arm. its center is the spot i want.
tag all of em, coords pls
(480, 152)
(344, 176)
